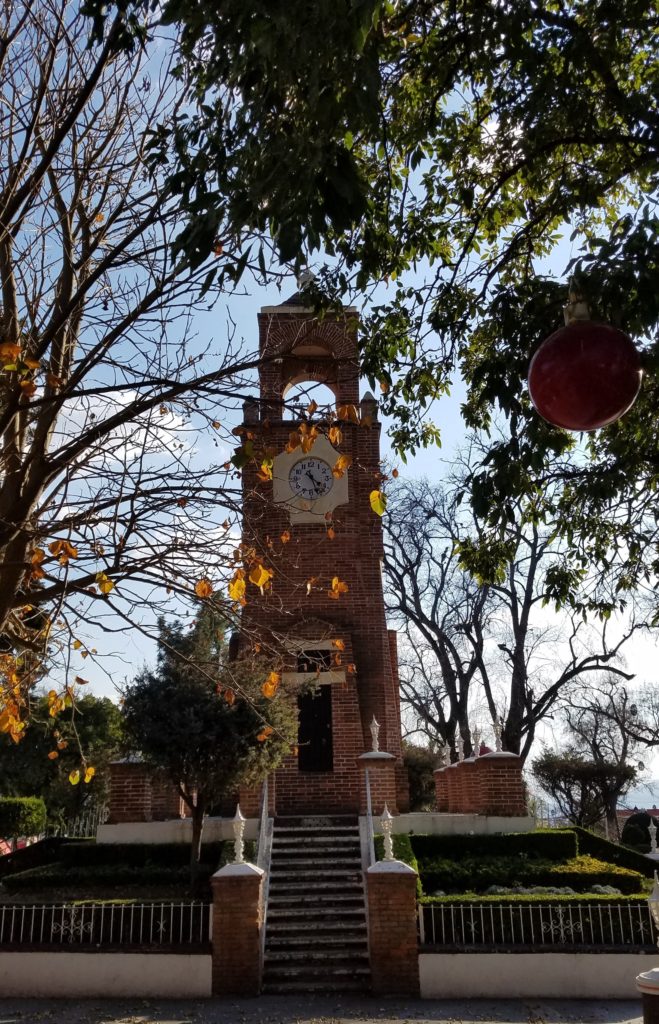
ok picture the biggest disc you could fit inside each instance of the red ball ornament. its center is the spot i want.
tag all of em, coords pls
(585, 376)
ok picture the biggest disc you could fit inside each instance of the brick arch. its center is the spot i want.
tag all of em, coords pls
(337, 337)
(311, 629)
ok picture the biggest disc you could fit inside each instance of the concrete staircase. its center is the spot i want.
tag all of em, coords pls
(316, 936)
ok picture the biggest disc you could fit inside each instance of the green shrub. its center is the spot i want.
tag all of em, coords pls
(21, 816)
(88, 852)
(57, 875)
(635, 824)
(576, 898)
(579, 873)
(544, 844)
(402, 851)
(605, 850)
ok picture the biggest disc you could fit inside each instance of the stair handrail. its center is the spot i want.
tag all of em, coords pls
(263, 854)
(369, 820)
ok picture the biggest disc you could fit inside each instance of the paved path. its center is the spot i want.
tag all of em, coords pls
(318, 1010)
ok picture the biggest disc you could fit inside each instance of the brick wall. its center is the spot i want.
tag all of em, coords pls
(501, 784)
(441, 790)
(237, 923)
(166, 802)
(392, 929)
(130, 793)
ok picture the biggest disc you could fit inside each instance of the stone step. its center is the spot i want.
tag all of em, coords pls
(312, 821)
(282, 897)
(329, 986)
(302, 889)
(321, 850)
(302, 957)
(301, 871)
(344, 937)
(316, 861)
(280, 924)
(291, 831)
(302, 836)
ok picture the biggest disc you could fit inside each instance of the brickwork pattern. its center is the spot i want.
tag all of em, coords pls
(237, 923)
(382, 782)
(166, 802)
(130, 793)
(392, 933)
(491, 784)
(354, 556)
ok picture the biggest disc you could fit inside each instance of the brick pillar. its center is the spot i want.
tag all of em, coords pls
(499, 776)
(392, 936)
(166, 802)
(648, 985)
(130, 792)
(454, 795)
(441, 790)
(381, 769)
(471, 796)
(237, 923)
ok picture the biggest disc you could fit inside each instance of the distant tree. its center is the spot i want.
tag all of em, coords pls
(42, 764)
(610, 724)
(581, 788)
(203, 721)
(420, 763)
(493, 642)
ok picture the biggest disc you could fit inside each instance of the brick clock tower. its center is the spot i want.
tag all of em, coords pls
(313, 527)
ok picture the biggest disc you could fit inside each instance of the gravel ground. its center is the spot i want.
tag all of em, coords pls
(318, 1010)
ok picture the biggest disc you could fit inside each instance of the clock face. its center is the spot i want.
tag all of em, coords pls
(311, 478)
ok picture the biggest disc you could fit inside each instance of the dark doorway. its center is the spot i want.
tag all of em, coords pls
(315, 730)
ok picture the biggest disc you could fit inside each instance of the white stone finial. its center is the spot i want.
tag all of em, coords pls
(498, 729)
(652, 829)
(445, 755)
(238, 826)
(460, 748)
(477, 742)
(304, 278)
(375, 733)
(387, 823)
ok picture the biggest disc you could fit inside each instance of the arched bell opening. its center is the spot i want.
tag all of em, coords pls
(304, 397)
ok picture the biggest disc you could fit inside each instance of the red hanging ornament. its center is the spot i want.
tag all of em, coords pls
(585, 375)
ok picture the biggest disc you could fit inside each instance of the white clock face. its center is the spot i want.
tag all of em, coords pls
(311, 478)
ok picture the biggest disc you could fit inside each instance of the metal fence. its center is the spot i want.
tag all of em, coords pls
(573, 926)
(155, 927)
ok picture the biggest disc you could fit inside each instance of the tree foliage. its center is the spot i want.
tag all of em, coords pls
(439, 152)
(581, 788)
(203, 720)
(490, 650)
(42, 764)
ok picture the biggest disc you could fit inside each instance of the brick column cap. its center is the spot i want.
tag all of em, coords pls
(437, 771)
(238, 871)
(455, 764)
(391, 867)
(499, 754)
(648, 982)
(375, 757)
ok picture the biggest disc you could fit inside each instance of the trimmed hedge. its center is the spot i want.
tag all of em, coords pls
(579, 873)
(54, 876)
(581, 897)
(88, 852)
(605, 850)
(22, 816)
(543, 844)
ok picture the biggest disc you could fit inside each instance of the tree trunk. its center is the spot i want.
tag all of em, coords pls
(195, 847)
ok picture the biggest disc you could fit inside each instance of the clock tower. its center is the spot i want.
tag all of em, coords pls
(312, 525)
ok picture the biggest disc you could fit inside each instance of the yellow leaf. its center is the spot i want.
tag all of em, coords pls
(38, 555)
(285, 537)
(62, 744)
(342, 463)
(53, 755)
(203, 588)
(293, 441)
(338, 588)
(77, 644)
(9, 352)
(28, 387)
(182, 502)
(32, 364)
(105, 585)
(215, 424)
(335, 435)
(348, 412)
(394, 473)
(265, 732)
(229, 696)
(271, 685)
(330, 533)
(378, 502)
(80, 681)
(351, 668)
(312, 406)
(237, 586)
(53, 381)
(384, 387)
(89, 773)
(260, 576)
(74, 777)
(339, 644)
(99, 218)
